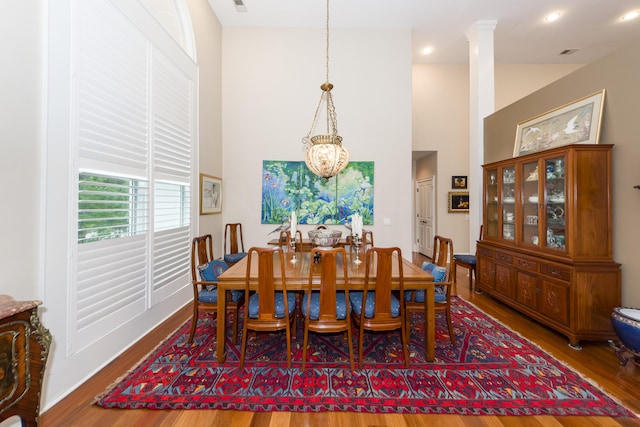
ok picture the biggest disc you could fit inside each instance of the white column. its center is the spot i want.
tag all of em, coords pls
(481, 104)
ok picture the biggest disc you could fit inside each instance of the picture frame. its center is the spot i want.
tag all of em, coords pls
(459, 182)
(458, 201)
(210, 194)
(577, 122)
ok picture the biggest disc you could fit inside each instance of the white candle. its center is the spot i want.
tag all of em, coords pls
(294, 224)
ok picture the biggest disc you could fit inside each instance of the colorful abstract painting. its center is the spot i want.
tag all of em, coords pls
(291, 186)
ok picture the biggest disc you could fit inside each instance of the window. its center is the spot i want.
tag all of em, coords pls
(110, 207)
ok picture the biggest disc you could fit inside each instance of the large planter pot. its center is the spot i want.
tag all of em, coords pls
(626, 324)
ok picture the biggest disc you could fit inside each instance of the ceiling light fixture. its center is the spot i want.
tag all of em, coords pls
(326, 157)
(552, 17)
(631, 15)
(427, 51)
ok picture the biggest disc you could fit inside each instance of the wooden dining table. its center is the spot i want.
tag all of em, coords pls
(297, 279)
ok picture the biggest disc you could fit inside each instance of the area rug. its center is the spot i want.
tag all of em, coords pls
(490, 371)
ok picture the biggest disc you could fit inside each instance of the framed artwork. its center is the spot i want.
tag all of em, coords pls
(458, 201)
(290, 186)
(210, 194)
(575, 123)
(459, 182)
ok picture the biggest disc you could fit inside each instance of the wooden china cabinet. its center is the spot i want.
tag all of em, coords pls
(547, 245)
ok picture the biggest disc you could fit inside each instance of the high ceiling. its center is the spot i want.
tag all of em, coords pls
(593, 27)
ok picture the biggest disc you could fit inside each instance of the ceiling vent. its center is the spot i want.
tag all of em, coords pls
(568, 51)
(240, 7)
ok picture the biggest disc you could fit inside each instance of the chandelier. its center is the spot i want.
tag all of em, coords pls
(326, 157)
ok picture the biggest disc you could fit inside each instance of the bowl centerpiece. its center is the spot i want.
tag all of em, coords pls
(325, 238)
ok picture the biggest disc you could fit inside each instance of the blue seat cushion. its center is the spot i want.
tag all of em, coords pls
(210, 271)
(467, 259)
(356, 304)
(440, 295)
(314, 308)
(211, 295)
(279, 302)
(233, 258)
(439, 275)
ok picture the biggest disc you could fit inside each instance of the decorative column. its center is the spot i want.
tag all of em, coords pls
(481, 104)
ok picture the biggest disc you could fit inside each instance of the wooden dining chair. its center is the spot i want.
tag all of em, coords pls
(268, 309)
(467, 261)
(327, 310)
(285, 240)
(204, 277)
(233, 243)
(376, 307)
(414, 300)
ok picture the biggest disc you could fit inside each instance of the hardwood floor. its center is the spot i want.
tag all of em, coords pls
(596, 360)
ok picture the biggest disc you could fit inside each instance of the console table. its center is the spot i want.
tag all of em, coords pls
(24, 348)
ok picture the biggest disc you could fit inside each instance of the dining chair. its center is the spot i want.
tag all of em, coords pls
(467, 261)
(204, 277)
(233, 243)
(376, 307)
(414, 299)
(326, 310)
(267, 309)
(285, 240)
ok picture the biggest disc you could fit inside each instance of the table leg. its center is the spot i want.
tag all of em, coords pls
(221, 326)
(430, 330)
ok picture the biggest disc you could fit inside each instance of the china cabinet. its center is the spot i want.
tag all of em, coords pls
(547, 245)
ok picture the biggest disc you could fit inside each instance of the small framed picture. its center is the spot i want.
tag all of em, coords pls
(458, 201)
(210, 194)
(459, 182)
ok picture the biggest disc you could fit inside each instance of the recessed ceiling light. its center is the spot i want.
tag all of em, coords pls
(427, 51)
(552, 17)
(631, 15)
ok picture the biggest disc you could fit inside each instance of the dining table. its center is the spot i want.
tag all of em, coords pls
(297, 279)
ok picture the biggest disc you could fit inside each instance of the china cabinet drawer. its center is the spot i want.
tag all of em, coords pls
(485, 252)
(526, 264)
(556, 272)
(502, 257)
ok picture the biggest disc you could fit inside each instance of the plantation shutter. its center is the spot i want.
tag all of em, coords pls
(172, 159)
(133, 115)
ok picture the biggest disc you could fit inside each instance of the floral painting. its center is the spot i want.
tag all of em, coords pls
(291, 186)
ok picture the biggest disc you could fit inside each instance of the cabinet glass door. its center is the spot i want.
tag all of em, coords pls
(491, 181)
(530, 203)
(508, 203)
(555, 190)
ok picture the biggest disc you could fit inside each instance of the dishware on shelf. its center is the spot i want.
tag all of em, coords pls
(533, 198)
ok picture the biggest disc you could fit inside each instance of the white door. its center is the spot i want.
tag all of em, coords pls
(425, 215)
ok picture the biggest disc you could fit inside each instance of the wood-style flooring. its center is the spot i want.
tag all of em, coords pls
(596, 360)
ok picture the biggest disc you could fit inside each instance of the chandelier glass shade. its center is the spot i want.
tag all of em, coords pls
(326, 157)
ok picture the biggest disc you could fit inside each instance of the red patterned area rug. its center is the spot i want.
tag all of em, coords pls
(490, 371)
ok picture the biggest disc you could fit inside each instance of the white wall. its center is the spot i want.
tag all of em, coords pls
(271, 87)
(208, 37)
(21, 37)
